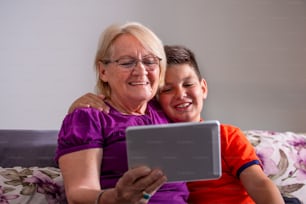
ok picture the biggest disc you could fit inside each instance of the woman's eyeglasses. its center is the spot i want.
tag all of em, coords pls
(149, 62)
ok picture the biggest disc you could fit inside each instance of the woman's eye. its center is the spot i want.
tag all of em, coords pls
(127, 64)
(150, 61)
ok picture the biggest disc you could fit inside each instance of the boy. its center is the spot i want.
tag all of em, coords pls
(182, 98)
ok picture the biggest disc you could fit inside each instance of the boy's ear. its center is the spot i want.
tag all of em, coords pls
(102, 72)
(204, 88)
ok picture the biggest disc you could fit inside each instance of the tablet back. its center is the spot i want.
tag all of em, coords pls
(184, 151)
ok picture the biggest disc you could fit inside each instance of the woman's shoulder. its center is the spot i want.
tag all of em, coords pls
(154, 104)
(80, 130)
(156, 113)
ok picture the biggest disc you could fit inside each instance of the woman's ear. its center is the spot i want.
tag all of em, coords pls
(204, 88)
(102, 72)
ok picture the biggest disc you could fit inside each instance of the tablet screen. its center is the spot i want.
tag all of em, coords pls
(187, 151)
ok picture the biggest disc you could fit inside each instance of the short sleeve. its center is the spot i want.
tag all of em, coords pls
(80, 130)
(237, 150)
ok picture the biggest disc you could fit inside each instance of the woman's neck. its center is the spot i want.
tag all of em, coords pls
(128, 109)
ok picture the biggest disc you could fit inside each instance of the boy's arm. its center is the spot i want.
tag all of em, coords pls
(259, 186)
(89, 100)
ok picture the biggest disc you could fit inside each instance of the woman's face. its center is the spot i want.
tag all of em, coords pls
(130, 85)
(183, 94)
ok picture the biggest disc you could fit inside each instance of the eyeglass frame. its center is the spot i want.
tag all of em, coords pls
(135, 62)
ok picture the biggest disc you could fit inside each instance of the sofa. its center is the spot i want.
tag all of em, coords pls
(28, 173)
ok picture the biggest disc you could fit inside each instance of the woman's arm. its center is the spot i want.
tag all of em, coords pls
(259, 186)
(81, 173)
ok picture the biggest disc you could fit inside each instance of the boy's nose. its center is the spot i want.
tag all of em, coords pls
(181, 93)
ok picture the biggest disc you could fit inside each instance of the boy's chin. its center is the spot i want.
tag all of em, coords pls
(182, 119)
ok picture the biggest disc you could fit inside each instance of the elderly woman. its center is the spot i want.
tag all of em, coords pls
(130, 65)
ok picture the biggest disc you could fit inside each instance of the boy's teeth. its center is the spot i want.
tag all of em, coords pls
(183, 105)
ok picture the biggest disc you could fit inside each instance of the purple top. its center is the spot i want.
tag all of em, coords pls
(90, 128)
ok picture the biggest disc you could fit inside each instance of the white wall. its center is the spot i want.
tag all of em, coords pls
(252, 53)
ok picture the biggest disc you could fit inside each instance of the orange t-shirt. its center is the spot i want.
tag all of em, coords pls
(237, 153)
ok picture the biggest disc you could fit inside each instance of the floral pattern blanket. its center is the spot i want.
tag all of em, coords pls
(31, 185)
(283, 155)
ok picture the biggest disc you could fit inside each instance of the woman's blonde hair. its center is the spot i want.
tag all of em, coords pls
(146, 37)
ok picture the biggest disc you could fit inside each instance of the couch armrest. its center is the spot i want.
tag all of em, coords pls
(27, 148)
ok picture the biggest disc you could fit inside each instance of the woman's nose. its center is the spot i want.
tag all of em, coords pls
(140, 68)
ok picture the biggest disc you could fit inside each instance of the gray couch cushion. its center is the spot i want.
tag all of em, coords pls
(27, 148)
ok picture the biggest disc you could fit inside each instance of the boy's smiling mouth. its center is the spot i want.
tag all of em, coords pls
(183, 105)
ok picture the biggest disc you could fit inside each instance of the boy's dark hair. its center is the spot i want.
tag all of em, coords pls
(177, 54)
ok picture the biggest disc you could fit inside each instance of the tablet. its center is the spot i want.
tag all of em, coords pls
(187, 151)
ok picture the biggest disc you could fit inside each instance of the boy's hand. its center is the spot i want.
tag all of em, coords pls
(90, 100)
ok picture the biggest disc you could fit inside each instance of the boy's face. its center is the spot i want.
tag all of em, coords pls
(183, 94)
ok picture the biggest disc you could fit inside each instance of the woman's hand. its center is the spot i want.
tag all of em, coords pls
(90, 100)
(139, 184)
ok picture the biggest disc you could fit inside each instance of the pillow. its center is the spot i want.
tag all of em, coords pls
(31, 185)
(283, 155)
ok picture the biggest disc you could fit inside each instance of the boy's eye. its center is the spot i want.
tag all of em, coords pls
(188, 84)
(165, 90)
